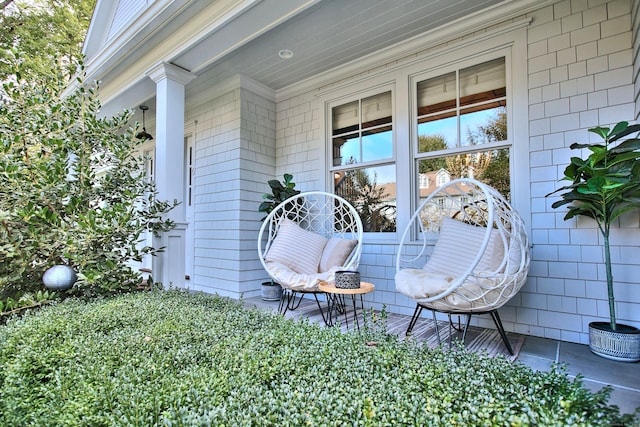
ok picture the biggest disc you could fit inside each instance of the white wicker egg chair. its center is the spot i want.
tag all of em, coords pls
(480, 259)
(305, 240)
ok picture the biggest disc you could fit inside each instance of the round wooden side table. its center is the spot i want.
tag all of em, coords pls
(336, 300)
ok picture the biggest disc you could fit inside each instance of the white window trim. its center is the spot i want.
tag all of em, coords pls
(453, 67)
(359, 92)
(512, 45)
(360, 165)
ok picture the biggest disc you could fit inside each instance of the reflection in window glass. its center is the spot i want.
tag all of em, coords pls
(490, 167)
(482, 127)
(448, 119)
(346, 149)
(362, 130)
(437, 94)
(345, 118)
(372, 191)
(438, 135)
(377, 144)
(376, 110)
(482, 82)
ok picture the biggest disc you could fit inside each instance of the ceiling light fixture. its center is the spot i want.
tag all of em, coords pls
(144, 135)
(285, 54)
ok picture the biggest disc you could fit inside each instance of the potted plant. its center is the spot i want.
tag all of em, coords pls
(280, 191)
(605, 185)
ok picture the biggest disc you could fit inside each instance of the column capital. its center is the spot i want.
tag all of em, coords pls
(165, 70)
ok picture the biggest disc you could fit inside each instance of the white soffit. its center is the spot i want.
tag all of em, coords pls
(221, 39)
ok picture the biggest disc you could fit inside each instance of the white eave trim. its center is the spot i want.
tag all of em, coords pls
(117, 46)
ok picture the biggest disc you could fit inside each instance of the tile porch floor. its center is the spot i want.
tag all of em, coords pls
(597, 372)
(541, 353)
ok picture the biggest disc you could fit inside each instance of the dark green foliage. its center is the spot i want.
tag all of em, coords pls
(428, 143)
(73, 189)
(11, 307)
(497, 172)
(174, 358)
(49, 33)
(604, 186)
(280, 191)
(370, 201)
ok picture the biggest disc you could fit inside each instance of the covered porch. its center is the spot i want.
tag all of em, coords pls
(240, 92)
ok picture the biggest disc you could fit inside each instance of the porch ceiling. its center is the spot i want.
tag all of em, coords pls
(326, 35)
(218, 40)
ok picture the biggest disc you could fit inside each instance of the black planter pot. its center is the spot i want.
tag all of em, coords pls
(271, 291)
(622, 345)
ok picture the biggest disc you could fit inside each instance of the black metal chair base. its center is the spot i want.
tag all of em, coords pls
(290, 300)
(494, 315)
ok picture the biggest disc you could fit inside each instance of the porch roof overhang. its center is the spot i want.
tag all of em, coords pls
(224, 38)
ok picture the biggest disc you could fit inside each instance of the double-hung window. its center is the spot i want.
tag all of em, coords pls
(455, 125)
(461, 127)
(363, 167)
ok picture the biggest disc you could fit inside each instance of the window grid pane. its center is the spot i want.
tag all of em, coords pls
(460, 119)
(490, 167)
(372, 192)
(462, 110)
(362, 131)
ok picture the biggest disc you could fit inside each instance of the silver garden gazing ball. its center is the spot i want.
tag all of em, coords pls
(59, 278)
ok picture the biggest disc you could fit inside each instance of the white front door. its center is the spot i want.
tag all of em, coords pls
(189, 195)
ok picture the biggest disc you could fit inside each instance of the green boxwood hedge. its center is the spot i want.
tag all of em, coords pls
(179, 359)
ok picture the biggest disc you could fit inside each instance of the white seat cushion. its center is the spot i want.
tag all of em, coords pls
(290, 279)
(419, 283)
(457, 246)
(476, 293)
(335, 252)
(298, 249)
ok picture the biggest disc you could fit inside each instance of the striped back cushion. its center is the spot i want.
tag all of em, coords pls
(457, 246)
(336, 252)
(298, 249)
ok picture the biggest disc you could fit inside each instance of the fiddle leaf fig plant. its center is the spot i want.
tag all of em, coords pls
(280, 191)
(604, 186)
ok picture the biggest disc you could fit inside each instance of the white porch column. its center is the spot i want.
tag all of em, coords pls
(169, 266)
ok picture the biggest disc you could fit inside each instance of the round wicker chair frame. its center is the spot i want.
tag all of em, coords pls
(322, 213)
(476, 204)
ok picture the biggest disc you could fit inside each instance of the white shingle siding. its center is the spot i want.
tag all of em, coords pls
(235, 139)
(298, 145)
(574, 283)
(635, 25)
